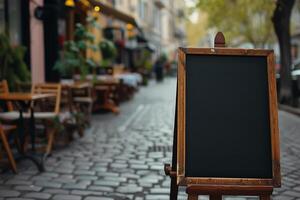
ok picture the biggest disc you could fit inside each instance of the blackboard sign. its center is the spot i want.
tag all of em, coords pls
(227, 124)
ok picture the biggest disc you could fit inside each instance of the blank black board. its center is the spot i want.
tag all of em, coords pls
(227, 117)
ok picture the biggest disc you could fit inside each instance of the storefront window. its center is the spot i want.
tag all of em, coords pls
(14, 21)
(2, 16)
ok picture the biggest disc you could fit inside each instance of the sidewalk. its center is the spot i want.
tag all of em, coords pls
(121, 157)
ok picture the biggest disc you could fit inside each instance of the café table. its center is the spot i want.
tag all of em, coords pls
(24, 102)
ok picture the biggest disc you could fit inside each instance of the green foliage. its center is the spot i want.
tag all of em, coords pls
(73, 57)
(13, 68)
(108, 51)
(145, 60)
(241, 21)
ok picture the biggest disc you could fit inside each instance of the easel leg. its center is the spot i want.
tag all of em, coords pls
(215, 197)
(265, 197)
(192, 197)
(173, 189)
(174, 186)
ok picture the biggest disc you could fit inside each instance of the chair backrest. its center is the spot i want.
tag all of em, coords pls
(5, 90)
(49, 88)
(23, 86)
(69, 92)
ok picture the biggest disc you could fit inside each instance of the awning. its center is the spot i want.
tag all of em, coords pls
(110, 11)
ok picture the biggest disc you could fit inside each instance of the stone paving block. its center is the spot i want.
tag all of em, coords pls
(116, 179)
(9, 193)
(106, 183)
(86, 192)
(97, 198)
(38, 195)
(64, 180)
(129, 189)
(139, 166)
(18, 182)
(118, 165)
(48, 184)
(159, 190)
(100, 169)
(130, 176)
(157, 197)
(64, 170)
(291, 193)
(101, 188)
(281, 197)
(66, 197)
(56, 191)
(22, 177)
(50, 174)
(87, 177)
(75, 186)
(84, 172)
(41, 178)
(32, 188)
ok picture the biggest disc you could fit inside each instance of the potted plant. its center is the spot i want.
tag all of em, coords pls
(109, 53)
(145, 65)
(73, 58)
(12, 65)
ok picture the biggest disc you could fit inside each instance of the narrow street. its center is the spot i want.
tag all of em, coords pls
(122, 156)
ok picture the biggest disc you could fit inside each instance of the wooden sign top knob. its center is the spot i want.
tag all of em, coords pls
(219, 40)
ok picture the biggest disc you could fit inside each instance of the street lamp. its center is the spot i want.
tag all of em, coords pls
(97, 8)
(69, 3)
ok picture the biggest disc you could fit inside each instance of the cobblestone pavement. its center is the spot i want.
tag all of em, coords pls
(122, 157)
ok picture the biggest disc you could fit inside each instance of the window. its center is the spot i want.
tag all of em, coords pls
(2, 16)
(14, 21)
(142, 9)
(156, 19)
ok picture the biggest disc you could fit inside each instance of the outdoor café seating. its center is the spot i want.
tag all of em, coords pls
(111, 86)
(27, 103)
(50, 113)
(83, 99)
(76, 103)
(107, 96)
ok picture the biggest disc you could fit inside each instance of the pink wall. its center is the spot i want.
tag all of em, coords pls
(37, 45)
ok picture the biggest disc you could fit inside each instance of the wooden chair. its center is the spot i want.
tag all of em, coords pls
(78, 97)
(5, 90)
(83, 99)
(4, 131)
(69, 112)
(47, 110)
(106, 96)
(8, 113)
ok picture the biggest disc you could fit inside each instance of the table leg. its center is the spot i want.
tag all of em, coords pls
(21, 136)
(32, 129)
(21, 132)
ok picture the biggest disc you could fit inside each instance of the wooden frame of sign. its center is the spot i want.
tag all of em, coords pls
(213, 186)
(181, 106)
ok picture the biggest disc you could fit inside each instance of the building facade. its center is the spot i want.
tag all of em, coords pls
(162, 21)
(43, 25)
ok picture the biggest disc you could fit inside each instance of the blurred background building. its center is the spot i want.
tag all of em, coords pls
(42, 26)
